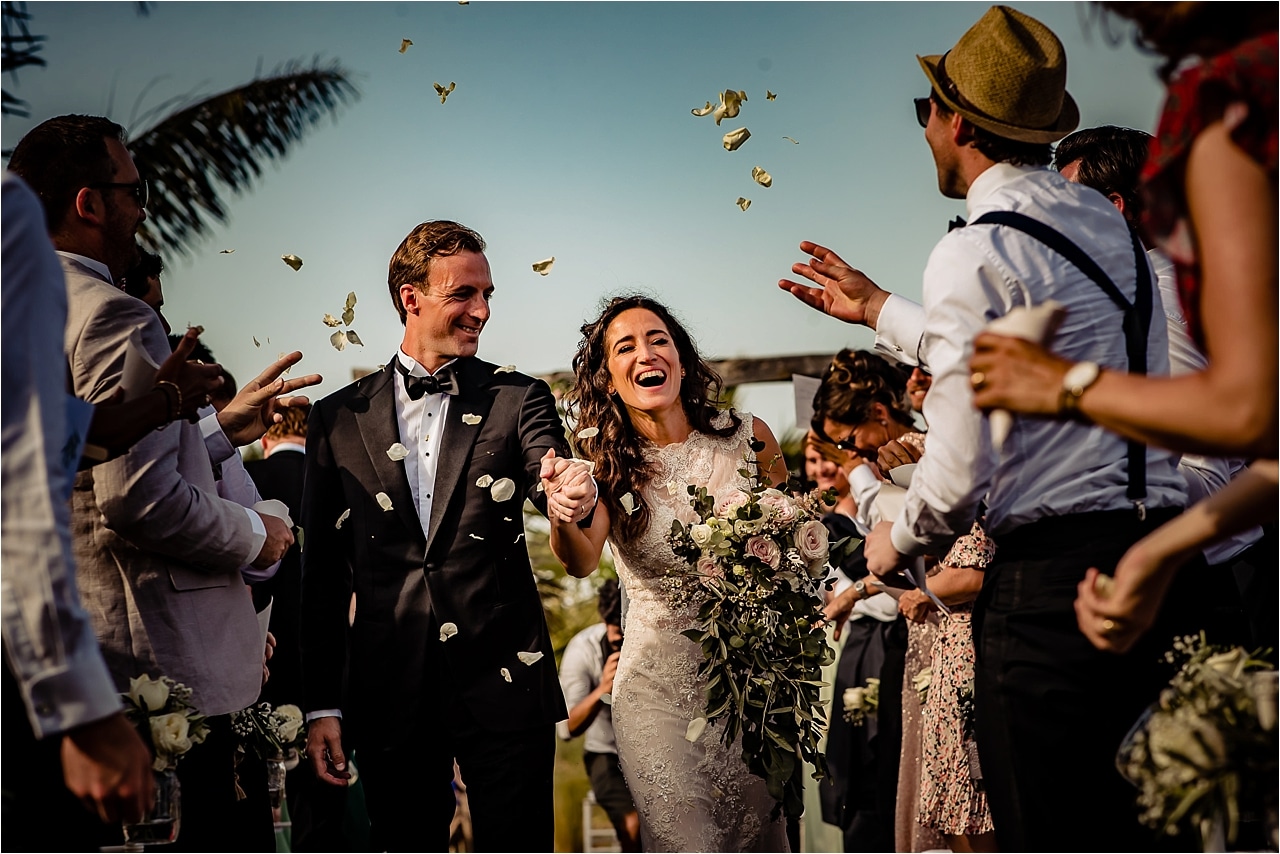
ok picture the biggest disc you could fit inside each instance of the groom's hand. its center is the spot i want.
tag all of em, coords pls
(324, 746)
(570, 489)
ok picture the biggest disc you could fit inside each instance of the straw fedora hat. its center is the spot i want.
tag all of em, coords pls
(1007, 75)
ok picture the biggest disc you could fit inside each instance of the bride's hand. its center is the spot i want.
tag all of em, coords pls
(569, 486)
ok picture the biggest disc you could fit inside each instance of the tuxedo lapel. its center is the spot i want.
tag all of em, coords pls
(379, 430)
(473, 399)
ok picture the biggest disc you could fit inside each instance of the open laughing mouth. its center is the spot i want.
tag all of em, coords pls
(651, 379)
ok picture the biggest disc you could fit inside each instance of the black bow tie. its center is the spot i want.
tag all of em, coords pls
(442, 382)
(954, 224)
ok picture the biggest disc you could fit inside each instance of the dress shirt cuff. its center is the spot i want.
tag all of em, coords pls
(903, 540)
(881, 606)
(256, 542)
(324, 713)
(73, 695)
(899, 329)
(215, 441)
(253, 575)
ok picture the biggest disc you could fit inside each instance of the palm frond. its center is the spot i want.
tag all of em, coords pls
(19, 49)
(193, 155)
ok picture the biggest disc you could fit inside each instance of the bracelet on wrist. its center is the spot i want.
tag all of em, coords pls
(174, 396)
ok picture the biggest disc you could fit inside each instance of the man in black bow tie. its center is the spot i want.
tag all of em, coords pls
(416, 478)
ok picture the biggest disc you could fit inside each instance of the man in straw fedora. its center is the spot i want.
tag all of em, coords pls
(1060, 496)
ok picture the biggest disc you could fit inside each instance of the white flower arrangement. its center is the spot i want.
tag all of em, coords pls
(755, 565)
(161, 710)
(861, 703)
(1204, 755)
(270, 733)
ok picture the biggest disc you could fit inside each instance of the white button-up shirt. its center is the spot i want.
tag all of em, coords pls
(421, 425)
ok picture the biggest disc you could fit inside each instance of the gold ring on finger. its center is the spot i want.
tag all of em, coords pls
(977, 380)
(1108, 626)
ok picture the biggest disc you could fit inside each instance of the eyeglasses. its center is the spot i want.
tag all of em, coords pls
(924, 109)
(140, 190)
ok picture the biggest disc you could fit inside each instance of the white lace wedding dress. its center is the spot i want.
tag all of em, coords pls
(691, 796)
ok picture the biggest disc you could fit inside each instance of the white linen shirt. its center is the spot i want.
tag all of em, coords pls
(1049, 468)
(421, 424)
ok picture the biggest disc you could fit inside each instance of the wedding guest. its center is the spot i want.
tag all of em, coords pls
(587, 669)
(1063, 497)
(158, 553)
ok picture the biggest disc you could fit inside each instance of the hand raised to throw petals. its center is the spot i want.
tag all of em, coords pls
(258, 404)
(570, 489)
(882, 557)
(195, 380)
(842, 292)
(1017, 375)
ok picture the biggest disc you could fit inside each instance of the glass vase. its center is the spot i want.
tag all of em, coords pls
(275, 779)
(162, 821)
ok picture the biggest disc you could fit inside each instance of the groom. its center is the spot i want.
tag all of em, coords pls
(409, 504)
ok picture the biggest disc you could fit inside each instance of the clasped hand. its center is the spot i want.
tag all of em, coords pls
(570, 489)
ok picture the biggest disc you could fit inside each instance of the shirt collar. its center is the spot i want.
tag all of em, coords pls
(286, 446)
(411, 365)
(95, 266)
(991, 180)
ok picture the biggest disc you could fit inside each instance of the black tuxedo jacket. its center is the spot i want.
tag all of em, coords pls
(390, 669)
(280, 476)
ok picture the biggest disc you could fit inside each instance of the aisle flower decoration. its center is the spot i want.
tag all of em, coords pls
(861, 703)
(1204, 756)
(756, 562)
(170, 725)
(277, 736)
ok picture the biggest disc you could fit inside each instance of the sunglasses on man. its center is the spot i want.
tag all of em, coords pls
(923, 110)
(140, 190)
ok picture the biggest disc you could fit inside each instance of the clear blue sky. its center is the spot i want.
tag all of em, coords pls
(569, 134)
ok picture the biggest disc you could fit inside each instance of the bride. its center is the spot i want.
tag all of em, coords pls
(640, 382)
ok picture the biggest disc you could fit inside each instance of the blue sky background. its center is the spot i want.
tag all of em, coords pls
(569, 134)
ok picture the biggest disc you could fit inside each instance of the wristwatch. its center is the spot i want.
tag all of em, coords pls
(860, 587)
(1075, 382)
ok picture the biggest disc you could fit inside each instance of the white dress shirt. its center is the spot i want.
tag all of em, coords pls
(421, 425)
(1049, 468)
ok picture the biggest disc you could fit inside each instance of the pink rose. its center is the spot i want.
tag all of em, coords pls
(765, 550)
(734, 499)
(811, 545)
(779, 508)
(709, 567)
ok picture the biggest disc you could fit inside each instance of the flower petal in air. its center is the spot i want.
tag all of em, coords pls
(793, 141)
(404, 44)
(448, 630)
(769, 96)
(473, 420)
(733, 139)
(484, 481)
(730, 105)
(506, 674)
(505, 369)
(628, 502)
(695, 730)
(476, 537)
(503, 489)
(704, 111)
(354, 338)
(743, 203)
(339, 341)
(763, 178)
(226, 251)
(255, 340)
(529, 658)
(544, 267)
(444, 91)
(293, 261)
(331, 321)
(397, 452)
(384, 500)
(345, 514)
(588, 432)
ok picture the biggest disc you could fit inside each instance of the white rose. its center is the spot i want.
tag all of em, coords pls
(811, 543)
(853, 698)
(148, 693)
(169, 735)
(747, 527)
(290, 717)
(766, 550)
(1228, 663)
(779, 508)
(702, 535)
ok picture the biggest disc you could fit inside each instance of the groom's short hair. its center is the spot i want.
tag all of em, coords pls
(411, 262)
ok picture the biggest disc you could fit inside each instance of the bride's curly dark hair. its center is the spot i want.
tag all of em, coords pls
(618, 450)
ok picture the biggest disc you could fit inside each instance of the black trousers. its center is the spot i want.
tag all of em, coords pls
(1052, 709)
(409, 788)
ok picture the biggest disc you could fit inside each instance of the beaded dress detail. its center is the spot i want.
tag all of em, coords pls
(695, 796)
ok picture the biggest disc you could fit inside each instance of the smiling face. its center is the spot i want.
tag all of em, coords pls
(444, 320)
(643, 362)
(823, 472)
(862, 440)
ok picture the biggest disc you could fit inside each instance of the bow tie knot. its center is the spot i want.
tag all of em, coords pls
(441, 382)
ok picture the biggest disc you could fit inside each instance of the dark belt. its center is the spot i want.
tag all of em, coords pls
(1052, 534)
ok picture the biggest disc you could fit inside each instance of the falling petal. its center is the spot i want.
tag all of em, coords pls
(331, 321)
(673, 487)
(345, 515)
(397, 452)
(226, 251)
(476, 537)
(351, 300)
(448, 630)
(506, 518)
(505, 369)
(540, 486)
(339, 341)
(506, 674)
(384, 500)
(763, 178)
(503, 489)
(695, 730)
(795, 142)
(529, 658)
(590, 464)
(354, 338)
(733, 139)
(730, 105)
(292, 260)
(544, 267)
(743, 203)
(702, 112)
(606, 698)
(769, 96)
(404, 44)
(471, 419)
(588, 432)
(628, 502)
(348, 315)
(485, 481)
(255, 340)
(443, 92)
(519, 537)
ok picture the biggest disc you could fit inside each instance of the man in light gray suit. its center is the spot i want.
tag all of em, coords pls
(159, 553)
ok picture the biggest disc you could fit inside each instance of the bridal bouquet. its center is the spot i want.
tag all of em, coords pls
(756, 562)
(161, 710)
(1205, 754)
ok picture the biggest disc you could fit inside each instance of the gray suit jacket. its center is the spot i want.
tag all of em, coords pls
(158, 551)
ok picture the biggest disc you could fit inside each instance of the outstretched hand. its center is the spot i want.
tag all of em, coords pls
(842, 292)
(570, 489)
(195, 380)
(258, 404)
